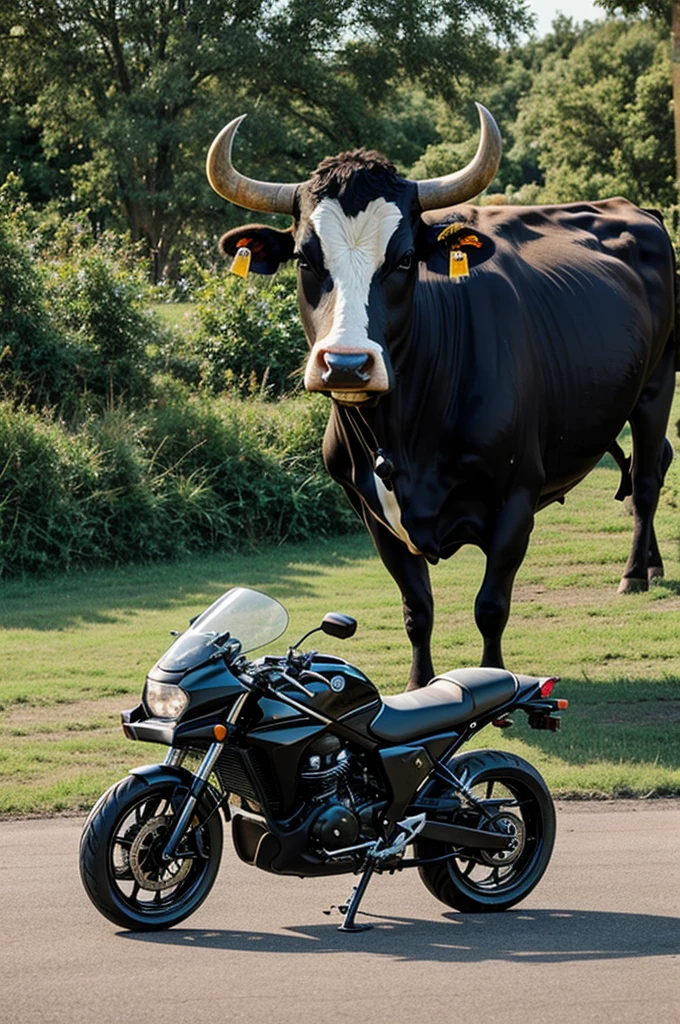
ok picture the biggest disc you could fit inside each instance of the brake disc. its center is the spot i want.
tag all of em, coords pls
(146, 862)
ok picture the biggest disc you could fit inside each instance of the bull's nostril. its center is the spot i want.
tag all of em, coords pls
(346, 368)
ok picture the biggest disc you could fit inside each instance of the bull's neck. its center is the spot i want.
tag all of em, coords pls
(429, 390)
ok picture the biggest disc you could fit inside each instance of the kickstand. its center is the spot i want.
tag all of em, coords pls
(351, 908)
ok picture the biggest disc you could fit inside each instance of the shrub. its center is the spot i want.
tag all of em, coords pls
(46, 474)
(36, 364)
(187, 475)
(248, 334)
(103, 305)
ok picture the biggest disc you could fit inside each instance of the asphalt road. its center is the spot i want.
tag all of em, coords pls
(597, 941)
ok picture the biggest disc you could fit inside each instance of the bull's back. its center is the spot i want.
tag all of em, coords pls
(573, 311)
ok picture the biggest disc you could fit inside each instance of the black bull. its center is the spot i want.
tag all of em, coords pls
(494, 394)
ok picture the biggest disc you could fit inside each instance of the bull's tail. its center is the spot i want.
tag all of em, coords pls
(623, 462)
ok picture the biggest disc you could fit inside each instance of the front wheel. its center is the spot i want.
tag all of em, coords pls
(516, 801)
(121, 864)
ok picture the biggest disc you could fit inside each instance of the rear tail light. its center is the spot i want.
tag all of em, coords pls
(548, 686)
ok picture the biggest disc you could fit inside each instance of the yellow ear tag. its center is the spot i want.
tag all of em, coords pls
(241, 264)
(458, 265)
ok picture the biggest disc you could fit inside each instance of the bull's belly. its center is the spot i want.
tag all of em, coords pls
(467, 519)
(562, 474)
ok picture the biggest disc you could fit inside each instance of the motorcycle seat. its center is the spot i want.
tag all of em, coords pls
(447, 701)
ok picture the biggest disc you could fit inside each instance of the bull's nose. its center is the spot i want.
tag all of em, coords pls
(346, 369)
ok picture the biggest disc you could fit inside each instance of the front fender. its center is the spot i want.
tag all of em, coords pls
(175, 774)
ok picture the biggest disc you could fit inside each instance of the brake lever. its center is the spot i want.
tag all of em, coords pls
(296, 684)
(316, 676)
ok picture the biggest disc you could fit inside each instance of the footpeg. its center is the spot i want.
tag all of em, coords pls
(409, 829)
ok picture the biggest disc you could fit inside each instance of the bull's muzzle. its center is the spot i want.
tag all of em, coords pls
(346, 370)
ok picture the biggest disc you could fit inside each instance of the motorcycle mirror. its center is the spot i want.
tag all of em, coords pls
(339, 625)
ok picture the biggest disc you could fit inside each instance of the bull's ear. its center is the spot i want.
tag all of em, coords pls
(435, 241)
(269, 247)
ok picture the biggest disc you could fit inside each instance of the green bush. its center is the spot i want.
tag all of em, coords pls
(103, 306)
(248, 335)
(186, 475)
(36, 363)
(46, 474)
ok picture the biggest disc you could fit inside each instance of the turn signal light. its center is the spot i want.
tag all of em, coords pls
(220, 732)
(562, 705)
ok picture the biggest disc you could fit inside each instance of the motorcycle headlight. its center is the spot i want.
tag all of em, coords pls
(165, 700)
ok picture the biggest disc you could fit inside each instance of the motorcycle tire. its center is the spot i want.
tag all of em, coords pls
(120, 856)
(477, 881)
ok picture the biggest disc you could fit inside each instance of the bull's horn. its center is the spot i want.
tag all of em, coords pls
(436, 193)
(265, 196)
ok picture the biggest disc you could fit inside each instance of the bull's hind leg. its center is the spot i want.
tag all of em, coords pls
(652, 455)
(655, 565)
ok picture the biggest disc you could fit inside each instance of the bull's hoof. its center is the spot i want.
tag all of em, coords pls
(632, 585)
(655, 572)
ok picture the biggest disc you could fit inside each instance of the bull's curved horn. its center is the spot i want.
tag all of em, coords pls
(264, 196)
(436, 193)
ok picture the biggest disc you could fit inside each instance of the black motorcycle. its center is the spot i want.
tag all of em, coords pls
(318, 775)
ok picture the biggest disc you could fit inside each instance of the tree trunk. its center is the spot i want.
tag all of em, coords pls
(675, 57)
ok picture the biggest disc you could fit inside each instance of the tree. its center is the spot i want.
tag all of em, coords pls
(599, 122)
(668, 11)
(135, 89)
(509, 79)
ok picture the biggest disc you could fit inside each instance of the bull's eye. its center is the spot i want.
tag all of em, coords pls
(406, 261)
(311, 267)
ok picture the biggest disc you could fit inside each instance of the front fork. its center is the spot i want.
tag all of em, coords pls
(197, 786)
(200, 781)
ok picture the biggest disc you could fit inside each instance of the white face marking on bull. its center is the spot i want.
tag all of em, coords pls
(353, 249)
(392, 512)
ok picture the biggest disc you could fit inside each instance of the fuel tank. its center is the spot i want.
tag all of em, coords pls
(346, 690)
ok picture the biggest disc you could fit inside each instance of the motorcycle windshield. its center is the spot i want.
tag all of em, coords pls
(246, 615)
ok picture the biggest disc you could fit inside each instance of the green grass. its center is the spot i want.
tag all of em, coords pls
(75, 649)
(173, 314)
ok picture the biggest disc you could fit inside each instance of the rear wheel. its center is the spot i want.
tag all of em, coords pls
(518, 804)
(121, 863)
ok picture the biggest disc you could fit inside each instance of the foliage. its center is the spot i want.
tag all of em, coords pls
(248, 336)
(507, 81)
(659, 8)
(185, 476)
(585, 113)
(36, 364)
(103, 308)
(75, 327)
(600, 122)
(116, 104)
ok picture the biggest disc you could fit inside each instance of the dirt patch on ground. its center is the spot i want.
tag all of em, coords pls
(59, 716)
(561, 597)
(663, 599)
(653, 712)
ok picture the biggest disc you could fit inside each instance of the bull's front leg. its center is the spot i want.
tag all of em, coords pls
(505, 550)
(411, 575)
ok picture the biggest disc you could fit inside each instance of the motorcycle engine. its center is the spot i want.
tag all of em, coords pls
(338, 782)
